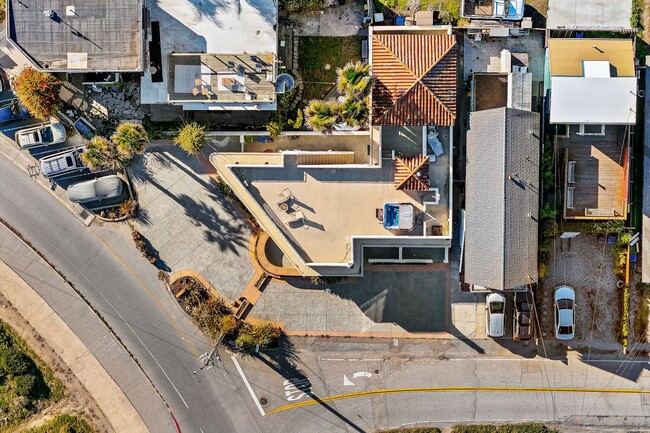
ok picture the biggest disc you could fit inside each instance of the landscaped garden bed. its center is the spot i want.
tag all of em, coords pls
(215, 317)
(318, 59)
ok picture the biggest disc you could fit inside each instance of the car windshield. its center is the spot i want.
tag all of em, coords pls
(565, 330)
(497, 307)
(47, 135)
(565, 304)
(84, 129)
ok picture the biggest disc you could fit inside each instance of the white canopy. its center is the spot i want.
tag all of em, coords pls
(603, 101)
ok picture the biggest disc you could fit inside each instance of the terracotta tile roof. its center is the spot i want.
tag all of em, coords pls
(412, 174)
(415, 79)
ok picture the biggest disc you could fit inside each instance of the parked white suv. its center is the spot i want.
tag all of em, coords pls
(62, 162)
(42, 135)
(495, 315)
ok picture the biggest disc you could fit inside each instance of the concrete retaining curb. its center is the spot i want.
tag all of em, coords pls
(78, 358)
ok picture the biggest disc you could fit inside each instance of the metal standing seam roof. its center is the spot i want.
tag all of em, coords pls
(415, 79)
(502, 198)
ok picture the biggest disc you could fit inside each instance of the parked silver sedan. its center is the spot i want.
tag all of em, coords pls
(101, 188)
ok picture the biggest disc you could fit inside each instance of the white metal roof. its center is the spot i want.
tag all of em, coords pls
(596, 68)
(586, 100)
(589, 14)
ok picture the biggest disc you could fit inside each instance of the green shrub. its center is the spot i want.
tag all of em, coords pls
(636, 19)
(191, 138)
(63, 424)
(549, 228)
(642, 313)
(413, 430)
(24, 385)
(130, 138)
(474, 429)
(262, 334)
(528, 427)
(321, 115)
(297, 124)
(275, 125)
(103, 154)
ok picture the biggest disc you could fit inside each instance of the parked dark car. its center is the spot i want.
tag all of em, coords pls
(85, 128)
(12, 111)
(523, 322)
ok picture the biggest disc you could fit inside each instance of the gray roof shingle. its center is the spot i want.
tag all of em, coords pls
(502, 198)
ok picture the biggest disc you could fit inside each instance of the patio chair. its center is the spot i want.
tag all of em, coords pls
(379, 214)
(195, 91)
(286, 193)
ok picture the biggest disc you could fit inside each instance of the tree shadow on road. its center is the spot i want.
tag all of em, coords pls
(284, 361)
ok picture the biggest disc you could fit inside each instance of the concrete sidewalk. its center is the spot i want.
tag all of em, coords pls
(75, 354)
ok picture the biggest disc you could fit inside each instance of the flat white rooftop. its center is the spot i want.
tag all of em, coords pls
(213, 27)
(607, 101)
(589, 14)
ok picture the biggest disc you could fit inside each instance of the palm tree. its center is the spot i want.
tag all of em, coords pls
(321, 115)
(354, 111)
(354, 79)
(131, 138)
(191, 138)
(103, 154)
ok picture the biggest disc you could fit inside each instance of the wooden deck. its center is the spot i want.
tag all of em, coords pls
(600, 187)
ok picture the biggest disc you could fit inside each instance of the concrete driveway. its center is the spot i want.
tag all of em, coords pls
(384, 301)
(189, 222)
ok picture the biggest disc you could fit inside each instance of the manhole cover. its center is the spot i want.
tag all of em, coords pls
(376, 371)
(263, 401)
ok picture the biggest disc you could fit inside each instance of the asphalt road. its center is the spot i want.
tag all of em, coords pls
(127, 293)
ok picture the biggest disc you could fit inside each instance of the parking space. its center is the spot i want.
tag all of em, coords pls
(584, 263)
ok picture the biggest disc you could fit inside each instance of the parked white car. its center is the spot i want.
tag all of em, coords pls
(565, 318)
(42, 135)
(62, 162)
(495, 315)
(101, 188)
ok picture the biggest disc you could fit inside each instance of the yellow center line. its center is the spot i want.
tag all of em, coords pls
(169, 317)
(445, 389)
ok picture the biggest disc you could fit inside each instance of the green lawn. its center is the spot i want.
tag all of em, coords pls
(318, 51)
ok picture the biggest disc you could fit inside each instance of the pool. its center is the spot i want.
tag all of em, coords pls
(399, 216)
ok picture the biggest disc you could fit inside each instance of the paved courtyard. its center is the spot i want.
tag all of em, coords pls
(189, 222)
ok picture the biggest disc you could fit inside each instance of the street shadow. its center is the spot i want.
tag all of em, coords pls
(284, 361)
(539, 20)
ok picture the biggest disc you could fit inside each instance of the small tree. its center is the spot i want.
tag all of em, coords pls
(354, 112)
(354, 79)
(191, 138)
(131, 138)
(321, 115)
(38, 92)
(103, 154)
(262, 334)
(275, 125)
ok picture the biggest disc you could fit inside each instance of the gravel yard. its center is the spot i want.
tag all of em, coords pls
(584, 263)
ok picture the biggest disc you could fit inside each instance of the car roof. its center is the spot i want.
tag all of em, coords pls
(566, 318)
(102, 186)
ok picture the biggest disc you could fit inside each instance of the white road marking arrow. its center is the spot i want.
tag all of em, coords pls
(346, 381)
